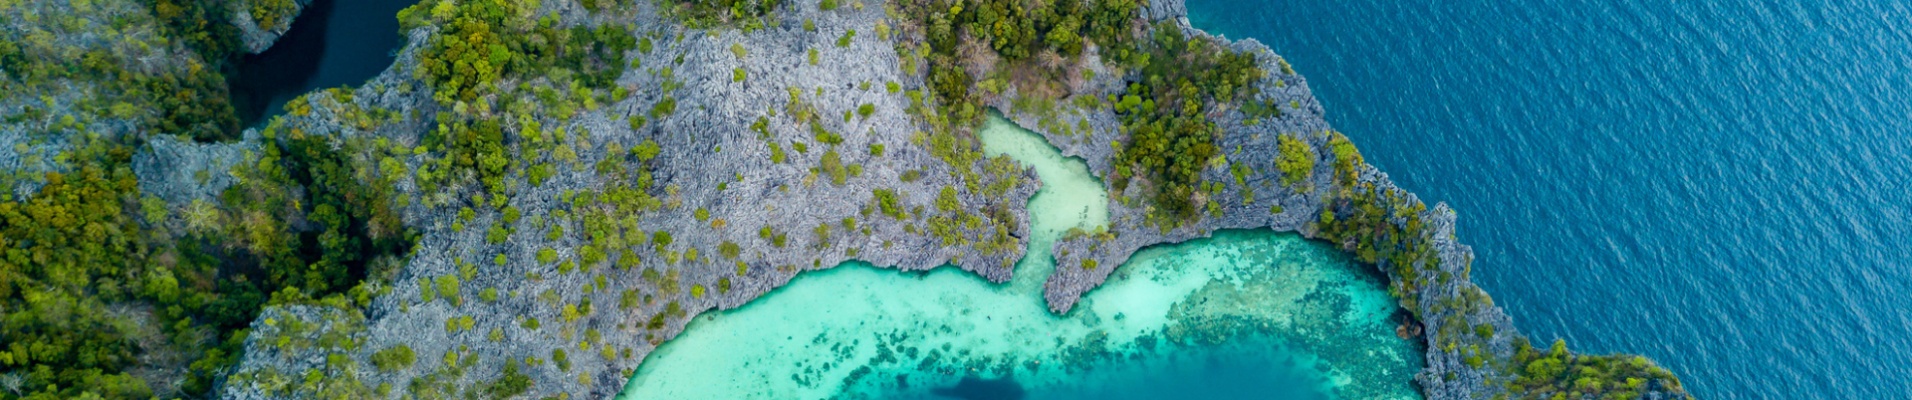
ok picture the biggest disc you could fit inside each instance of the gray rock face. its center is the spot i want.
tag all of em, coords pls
(180, 171)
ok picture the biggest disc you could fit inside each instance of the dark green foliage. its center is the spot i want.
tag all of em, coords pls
(831, 164)
(661, 238)
(1171, 139)
(646, 150)
(561, 359)
(748, 14)
(393, 358)
(1558, 373)
(946, 200)
(190, 101)
(844, 41)
(1296, 160)
(663, 107)
(886, 201)
(269, 14)
(69, 252)
(355, 220)
(729, 250)
(671, 310)
(1017, 33)
(509, 384)
(485, 40)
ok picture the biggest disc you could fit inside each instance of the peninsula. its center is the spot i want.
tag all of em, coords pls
(538, 194)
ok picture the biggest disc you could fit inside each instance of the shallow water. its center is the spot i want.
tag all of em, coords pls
(1247, 314)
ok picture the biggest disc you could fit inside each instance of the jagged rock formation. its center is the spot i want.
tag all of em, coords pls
(753, 179)
(257, 35)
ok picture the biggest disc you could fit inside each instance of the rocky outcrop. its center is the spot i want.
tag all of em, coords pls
(179, 171)
(716, 180)
(719, 185)
(1260, 200)
(257, 35)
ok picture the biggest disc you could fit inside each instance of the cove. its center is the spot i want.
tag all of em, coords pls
(332, 43)
(1244, 314)
(1719, 186)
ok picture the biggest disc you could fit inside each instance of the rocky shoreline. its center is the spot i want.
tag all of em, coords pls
(758, 180)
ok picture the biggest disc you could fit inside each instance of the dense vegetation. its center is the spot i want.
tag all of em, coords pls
(66, 281)
(1170, 139)
(1386, 228)
(1009, 35)
(109, 294)
(1558, 374)
(1177, 80)
(749, 15)
(124, 77)
(111, 302)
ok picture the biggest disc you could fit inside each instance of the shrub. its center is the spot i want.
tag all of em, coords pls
(448, 288)
(497, 234)
(844, 41)
(628, 300)
(646, 150)
(1297, 159)
(886, 200)
(729, 249)
(831, 164)
(509, 384)
(562, 360)
(393, 358)
(661, 239)
(946, 200)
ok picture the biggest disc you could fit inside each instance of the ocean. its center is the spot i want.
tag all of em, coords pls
(1720, 186)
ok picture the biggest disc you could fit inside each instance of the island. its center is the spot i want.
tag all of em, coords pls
(537, 195)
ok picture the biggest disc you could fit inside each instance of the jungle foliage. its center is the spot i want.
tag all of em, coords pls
(1178, 80)
(1556, 373)
(1170, 139)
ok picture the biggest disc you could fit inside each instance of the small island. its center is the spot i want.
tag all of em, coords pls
(537, 195)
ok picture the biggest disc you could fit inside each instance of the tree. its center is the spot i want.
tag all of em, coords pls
(1296, 160)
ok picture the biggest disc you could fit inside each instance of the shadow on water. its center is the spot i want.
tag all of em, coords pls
(974, 388)
(331, 43)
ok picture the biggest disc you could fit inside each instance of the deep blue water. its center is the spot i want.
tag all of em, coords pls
(332, 43)
(1721, 186)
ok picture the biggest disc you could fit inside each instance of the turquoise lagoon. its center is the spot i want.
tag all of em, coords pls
(1245, 314)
